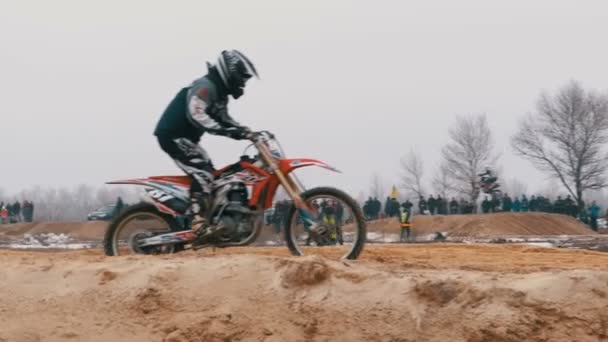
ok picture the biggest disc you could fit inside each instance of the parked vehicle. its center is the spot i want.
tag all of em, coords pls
(105, 213)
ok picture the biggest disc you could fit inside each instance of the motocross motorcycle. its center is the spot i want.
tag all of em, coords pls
(242, 192)
(488, 183)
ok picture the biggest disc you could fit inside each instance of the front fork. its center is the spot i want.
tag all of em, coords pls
(294, 191)
(290, 186)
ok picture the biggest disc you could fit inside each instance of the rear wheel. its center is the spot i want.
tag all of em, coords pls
(341, 224)
(139, 221)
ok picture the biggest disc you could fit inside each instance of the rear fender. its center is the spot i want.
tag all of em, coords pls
(168, 194)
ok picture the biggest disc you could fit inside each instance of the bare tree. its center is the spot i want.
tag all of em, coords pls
(565, 138)
(441, 181)
(551, 190)
(361, 198)
(412, 170)
(468, 152)
(73, 204)
(514, 187)
(377, 187)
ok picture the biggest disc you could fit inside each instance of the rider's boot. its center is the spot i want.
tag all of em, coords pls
(200, 204)
(201, 207)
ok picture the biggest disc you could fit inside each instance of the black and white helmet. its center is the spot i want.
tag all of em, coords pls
(235, 69)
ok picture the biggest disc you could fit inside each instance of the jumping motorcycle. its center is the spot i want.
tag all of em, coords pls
(488, 182)
(242, 192)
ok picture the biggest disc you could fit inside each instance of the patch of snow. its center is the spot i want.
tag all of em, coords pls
(48, 241)
(381, 237)
(540, 244)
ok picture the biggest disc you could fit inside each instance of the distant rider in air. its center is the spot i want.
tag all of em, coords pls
(488, 181)
(203, 107)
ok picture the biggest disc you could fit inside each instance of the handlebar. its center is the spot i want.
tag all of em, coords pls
(254, 136)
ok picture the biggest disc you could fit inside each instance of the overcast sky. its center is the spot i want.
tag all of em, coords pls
(354, 83)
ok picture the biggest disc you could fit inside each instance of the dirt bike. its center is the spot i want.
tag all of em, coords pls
(241, 192)
(487, 183)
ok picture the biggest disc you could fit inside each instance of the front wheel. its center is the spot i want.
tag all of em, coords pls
(340, 220)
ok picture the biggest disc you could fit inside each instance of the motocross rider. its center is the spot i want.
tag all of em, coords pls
(488, 181)
(203, 107)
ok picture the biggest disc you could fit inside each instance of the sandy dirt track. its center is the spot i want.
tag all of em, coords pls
(394, 293)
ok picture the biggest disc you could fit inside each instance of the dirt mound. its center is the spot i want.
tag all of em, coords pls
(240, 294)
(489, 225)
(304, 271)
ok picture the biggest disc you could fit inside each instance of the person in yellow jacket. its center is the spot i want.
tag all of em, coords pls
(405, 224)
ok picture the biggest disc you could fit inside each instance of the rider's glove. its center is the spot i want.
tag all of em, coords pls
(240, 134)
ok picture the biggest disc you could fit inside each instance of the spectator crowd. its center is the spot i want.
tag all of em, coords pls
(437, 205)
(372, 208)
(588, 214)
(16, 212)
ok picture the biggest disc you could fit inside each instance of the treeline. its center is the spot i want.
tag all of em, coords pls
(565, 137)
(71, 203)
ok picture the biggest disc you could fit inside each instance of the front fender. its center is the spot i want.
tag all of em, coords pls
(288, 165)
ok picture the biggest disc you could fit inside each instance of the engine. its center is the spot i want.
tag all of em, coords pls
(238, 224)
(238, 194)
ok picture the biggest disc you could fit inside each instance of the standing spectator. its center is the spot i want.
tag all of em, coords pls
(367, 209)
(407, 205)
(422, 205)
(9, 209)
(583, 217)
(442, 205)
(17, 211)
(279, 217)
(388, 207)
(377, 208)
(395, 208)
(328, 212)
(495, 203)
(3, 214)
(339, 213)
(396, 205)
(119, 206)
(26, 211)
(432, 203)
(542, 204)
(507, 203)
(559, 205)
(486, 205)
(31, 211)
(405, 225)
(594, 213)
(453, 206)
(534, 203)
(524, 204)
(570, 206)
(464, 206)
(516, 205)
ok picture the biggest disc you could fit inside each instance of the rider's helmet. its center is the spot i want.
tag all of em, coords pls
(235, 69)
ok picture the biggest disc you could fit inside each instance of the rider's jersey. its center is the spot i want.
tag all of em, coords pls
(195, 110)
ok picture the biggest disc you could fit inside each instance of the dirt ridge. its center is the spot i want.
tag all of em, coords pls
(242, 294)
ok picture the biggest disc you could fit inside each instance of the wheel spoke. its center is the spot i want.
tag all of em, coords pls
(339, 229)
(134, 226)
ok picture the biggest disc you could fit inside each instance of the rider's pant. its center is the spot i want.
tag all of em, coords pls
(193, 160)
